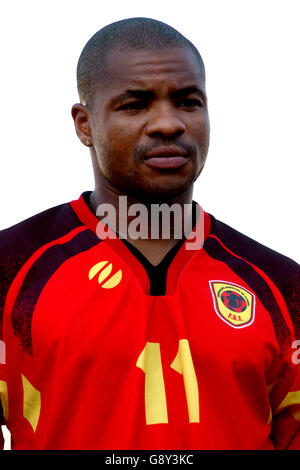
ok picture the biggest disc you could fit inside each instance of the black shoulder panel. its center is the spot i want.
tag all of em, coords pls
(19, 242)
(284, 272)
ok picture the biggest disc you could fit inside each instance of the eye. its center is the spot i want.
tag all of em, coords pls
(133, 106)
(189, 103)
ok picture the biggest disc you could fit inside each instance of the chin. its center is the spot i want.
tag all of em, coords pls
(160, 193)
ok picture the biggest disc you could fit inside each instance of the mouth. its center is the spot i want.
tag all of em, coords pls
(168, 158)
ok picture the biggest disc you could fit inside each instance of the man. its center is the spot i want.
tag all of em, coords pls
(118, 341)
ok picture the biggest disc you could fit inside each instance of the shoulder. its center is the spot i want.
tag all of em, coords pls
(29, 234)
(19, 242)
(270, 261)
(280, 269)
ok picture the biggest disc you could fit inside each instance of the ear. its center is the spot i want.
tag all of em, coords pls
(81, 117)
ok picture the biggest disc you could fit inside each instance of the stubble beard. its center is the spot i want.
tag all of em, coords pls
(147, 189)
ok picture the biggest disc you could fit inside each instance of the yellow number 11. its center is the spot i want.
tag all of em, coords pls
(155, 394)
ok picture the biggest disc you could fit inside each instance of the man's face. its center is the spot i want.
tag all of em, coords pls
(149, 122)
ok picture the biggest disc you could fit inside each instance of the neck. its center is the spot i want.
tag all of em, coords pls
(129, 209)
(152, 228)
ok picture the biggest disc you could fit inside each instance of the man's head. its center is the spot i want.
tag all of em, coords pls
(143, 108)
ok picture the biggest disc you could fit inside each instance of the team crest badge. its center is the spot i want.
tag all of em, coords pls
(234, 304)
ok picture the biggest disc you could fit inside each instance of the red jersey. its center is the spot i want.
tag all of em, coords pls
(105, 351)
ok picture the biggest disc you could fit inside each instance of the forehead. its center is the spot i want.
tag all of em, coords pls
(169, 68)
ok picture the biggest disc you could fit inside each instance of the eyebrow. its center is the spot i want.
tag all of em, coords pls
(140, 94)
(148, 94)
(189, 90)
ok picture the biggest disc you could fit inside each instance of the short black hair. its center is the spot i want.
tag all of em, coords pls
(137, 33)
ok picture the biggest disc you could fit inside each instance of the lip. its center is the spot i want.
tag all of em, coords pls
(166, 152)
(166, 158)
(168, 163)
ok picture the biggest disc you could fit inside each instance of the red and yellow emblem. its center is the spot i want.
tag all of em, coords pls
(234, 304)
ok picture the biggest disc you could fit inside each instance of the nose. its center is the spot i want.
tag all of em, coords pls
(165, 121)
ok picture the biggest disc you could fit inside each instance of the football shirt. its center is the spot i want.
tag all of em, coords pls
(105, 351)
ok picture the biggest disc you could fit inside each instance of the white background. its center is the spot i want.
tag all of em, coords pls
(251, 52)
